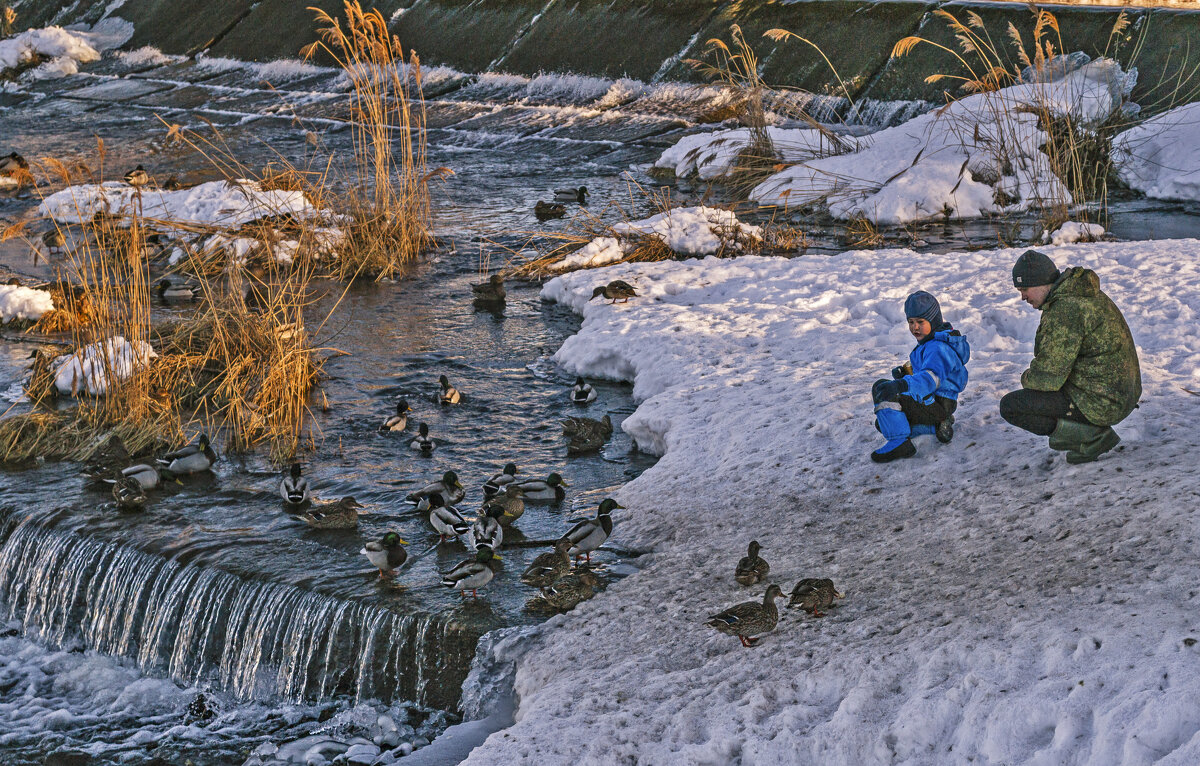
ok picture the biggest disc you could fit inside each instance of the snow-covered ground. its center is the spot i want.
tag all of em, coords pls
(1161, 157)
(63, 50)
(1002, 606)
(19, 302)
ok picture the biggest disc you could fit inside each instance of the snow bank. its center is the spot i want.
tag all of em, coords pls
(1161, 157)
(18, 302)
(65, 51)
(712, 155)
(88, 369)
(1073, 231)
(1002, 606)
(980, 154)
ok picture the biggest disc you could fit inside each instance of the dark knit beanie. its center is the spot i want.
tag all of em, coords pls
(1033, 269)
(922, 305)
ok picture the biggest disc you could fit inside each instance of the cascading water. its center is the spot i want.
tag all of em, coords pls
(255, 640)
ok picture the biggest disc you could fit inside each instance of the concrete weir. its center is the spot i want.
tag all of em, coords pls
(649, 40)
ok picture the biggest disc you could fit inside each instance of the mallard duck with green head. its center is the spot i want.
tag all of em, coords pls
(445, 519)
(196, 457)
(548, 567)
(812, 594)
(507, 476)
(487, 529)
(617, 290)
(340, 514)
(582, 392)
(749, 619)
(174, 293)
(147, 476)
(511, 504)
(590, 534)
(552, 489)
(449, 394)
(586, 434)
(388, 554)
(423, 443)
(449, 487)
(567, 591)
(293, 488)
(473, 573)
(752, 568)
(399, 421)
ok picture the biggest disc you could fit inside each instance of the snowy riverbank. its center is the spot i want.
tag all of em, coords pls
(1002, 606)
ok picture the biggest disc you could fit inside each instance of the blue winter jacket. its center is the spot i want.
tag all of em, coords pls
(939, 366)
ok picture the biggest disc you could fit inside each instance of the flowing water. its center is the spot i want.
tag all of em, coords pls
(215, 620)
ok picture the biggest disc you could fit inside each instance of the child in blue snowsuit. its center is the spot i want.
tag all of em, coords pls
(923, 394)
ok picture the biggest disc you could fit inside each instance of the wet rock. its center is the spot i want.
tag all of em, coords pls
(405, 748)
(201, 708)
(67, 758)
(362, 755)
(385, 732)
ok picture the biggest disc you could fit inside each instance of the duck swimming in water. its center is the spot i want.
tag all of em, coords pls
(445, 520)
(506, 476)
(294, 487)
(423, 443)
(572, 195)
(399, 421)
(194, 458)
(449, 487)
(546, 211)
(491, 291)
(549, 490)
(340, 514)
(450, 394)
(582, 392)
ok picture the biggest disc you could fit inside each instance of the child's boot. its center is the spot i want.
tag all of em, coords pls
(895, 428)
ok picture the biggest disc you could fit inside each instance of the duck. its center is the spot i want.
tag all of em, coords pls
(616, 290)
(511, 504)
(138, 177)
(194, 458)
(551, 489)
(506, 476)
(445, 519)
(423, 443)
(12, 163)
(388, 554)
(487, 529)
(749, 619)
(582, 392)
(54, 241)
(294, 488)
(129, 494)
(340, 514)
(171, 184)
(399, 421)
(812, 594)
(567, 591)
(450, 394)
(548, 567)
(491, 291)
(473, 573)
(751, 569)
(146, 475)
(449, 487)
(586, 434)
(102, 463)
(545, 211)
(590, 534)
(175, 292)
(572, 195)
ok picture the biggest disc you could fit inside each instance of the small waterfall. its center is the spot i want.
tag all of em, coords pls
(253, 639)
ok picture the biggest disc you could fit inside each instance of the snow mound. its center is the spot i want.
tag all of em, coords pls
(977, 155)
(989, 584)
(64, 50)
(88, 370)
(18, 302)
(712, 155)
(1161, 157)
(1073, 231)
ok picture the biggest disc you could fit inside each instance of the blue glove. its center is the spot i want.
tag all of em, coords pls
(888, 390)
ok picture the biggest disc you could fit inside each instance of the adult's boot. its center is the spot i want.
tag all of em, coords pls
(1083, 442)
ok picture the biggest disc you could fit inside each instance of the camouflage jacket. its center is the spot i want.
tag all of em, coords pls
(1084, 348)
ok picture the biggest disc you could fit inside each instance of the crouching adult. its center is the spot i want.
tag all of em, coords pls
(1084, 377)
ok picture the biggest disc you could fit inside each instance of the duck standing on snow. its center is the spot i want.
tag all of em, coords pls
(491, 291)
(550, 490)
(548, 567)
(473, 573)
(582, 392)
(340, 514)
(294, 488)
(487, 529)
(387, 555)
(506, 476)
(590, 534)
(173, 292)
(450, 394)
(571, 195)
(511, 505)
(128, 494)
(616, 290)
(194, 458)
(445, 520)
(449, 487)
(423, 443)
(548, 210)
(752, 569)
(399, 421)
(812, 594)
(138, 177)
(586, 434)
(749, 619)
